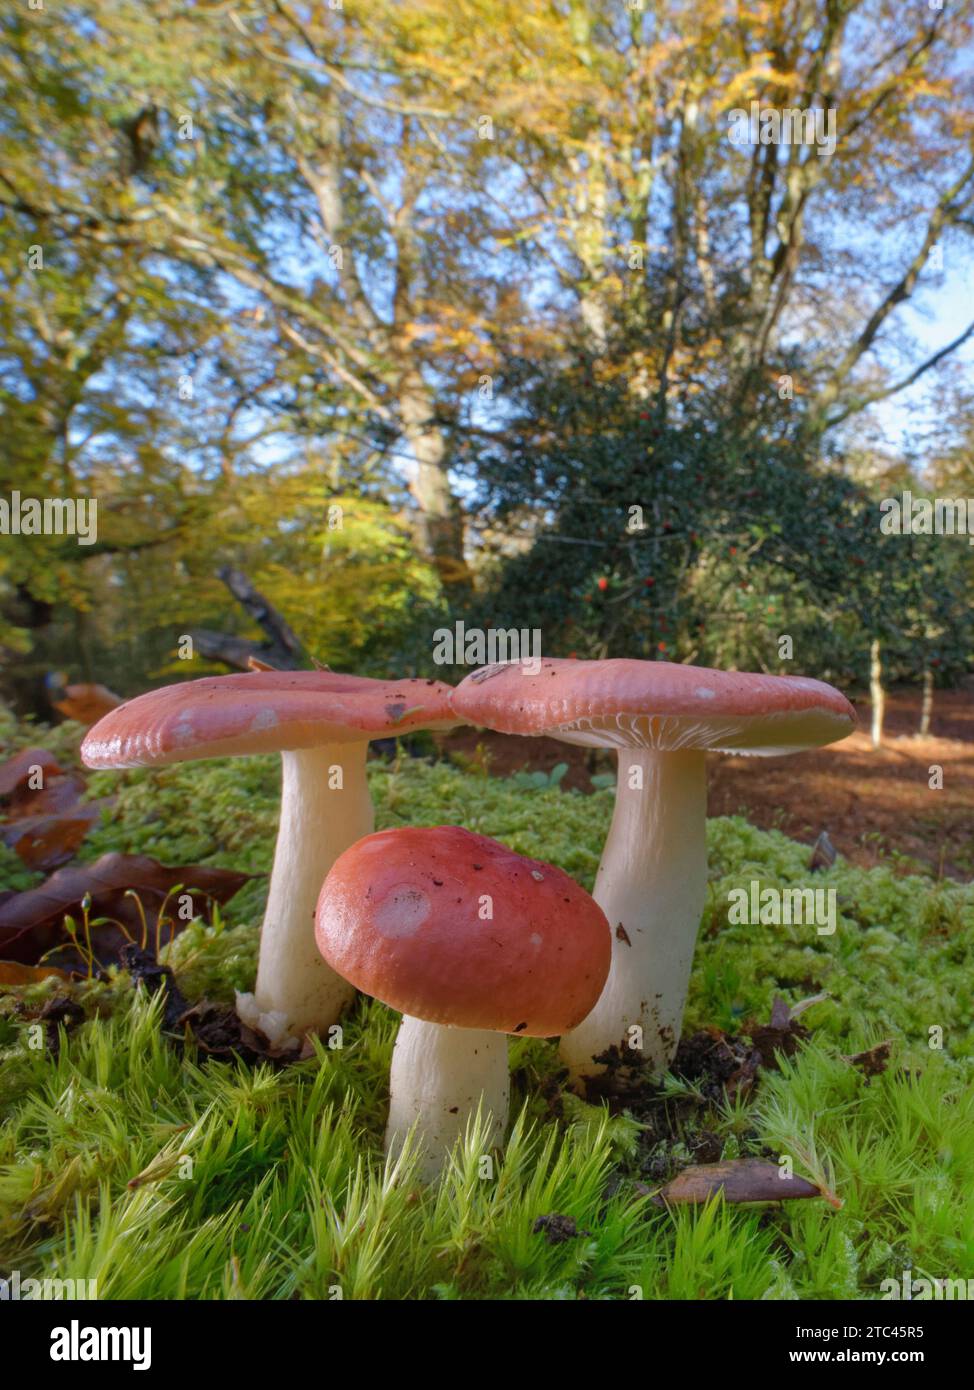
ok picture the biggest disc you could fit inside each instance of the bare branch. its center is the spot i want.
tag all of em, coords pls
(943, 216)
(861, 402)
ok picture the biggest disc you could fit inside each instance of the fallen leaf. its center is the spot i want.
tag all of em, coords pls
(86, 703)
(32, 923)
(57, 795)
(16, 770)
(738, 1179)
(44, 824)
(44, 843)
(12, 974)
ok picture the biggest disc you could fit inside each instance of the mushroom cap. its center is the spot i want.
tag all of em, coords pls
(400, 917)
(261, 712)
(655, 704)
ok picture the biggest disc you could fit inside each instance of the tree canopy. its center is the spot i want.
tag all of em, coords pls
(260, 259)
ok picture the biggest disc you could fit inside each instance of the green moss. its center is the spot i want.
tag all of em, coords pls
(213, 962)
(13, 875)
(63, 740)
(271, 1183)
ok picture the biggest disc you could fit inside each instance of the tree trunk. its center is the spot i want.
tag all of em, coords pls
(441, 521)
(22, 674)
(877, 694)
(595, 320)
(926, 707)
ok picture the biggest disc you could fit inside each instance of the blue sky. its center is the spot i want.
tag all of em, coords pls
(934, 317)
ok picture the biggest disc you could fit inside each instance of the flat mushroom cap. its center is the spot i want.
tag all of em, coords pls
(657, 705)
(399, 916)
(261, 712)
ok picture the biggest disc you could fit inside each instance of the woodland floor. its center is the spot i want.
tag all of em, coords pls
(285, 1195)
(871, 802)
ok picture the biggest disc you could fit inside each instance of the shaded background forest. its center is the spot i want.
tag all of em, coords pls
(399, 309)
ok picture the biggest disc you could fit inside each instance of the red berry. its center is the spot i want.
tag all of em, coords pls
(603, 584)
(649, 583)
(662, 646)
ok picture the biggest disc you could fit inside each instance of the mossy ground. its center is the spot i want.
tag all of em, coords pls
(270, 1182)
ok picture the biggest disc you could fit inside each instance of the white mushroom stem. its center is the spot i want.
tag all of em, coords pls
(439, 1077)
(325, 808)
(651, 885)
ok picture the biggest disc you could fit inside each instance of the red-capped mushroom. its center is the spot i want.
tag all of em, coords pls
(663, 719)
(470, 941)
(321, 723)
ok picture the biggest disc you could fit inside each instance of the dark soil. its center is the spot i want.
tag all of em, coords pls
(557, 1228)
(717, 1066)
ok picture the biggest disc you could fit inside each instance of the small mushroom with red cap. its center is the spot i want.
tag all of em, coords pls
(471, 942)
(321, 723)
(662, 718)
